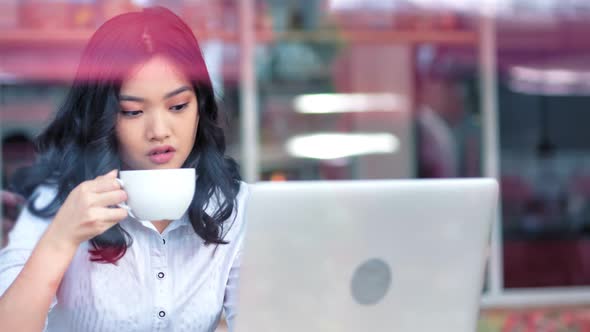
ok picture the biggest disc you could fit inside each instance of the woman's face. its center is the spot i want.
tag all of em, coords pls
(158, 110)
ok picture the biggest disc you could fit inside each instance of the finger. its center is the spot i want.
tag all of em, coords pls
(112, 173)
(113, 215)
(109, 198)
(105, 184)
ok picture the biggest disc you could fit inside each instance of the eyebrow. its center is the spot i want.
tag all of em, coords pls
(166, 96)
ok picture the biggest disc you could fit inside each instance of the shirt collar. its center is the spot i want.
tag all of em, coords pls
(178, 223)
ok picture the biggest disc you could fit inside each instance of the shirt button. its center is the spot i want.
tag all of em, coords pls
(164, 241)
(162, 314)
(160, 275)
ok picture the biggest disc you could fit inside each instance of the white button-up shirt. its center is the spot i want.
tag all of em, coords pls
(164, 282)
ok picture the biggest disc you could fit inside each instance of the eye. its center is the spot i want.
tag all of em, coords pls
(130, 113)
(179, 107)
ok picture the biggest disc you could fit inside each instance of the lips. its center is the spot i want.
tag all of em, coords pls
(161, 150)
(161, 154)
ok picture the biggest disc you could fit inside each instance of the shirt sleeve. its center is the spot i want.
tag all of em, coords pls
(22, 239)
(230, 301)
(231, 292)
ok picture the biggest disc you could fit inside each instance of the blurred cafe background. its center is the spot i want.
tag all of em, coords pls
(375, 89)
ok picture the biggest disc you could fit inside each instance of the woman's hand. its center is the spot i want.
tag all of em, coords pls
(86, 211)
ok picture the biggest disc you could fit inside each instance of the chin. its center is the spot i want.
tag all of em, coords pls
(166, 166)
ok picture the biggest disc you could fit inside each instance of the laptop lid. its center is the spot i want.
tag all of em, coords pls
(378, 255)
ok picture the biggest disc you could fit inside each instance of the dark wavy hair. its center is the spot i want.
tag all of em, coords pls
(79, 144)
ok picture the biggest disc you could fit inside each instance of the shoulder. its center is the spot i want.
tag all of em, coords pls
(43, 195)
(243, 192)
(29, 227)
(237, 221)
(242, 201)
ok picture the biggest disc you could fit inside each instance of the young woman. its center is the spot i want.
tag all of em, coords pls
(75, 263)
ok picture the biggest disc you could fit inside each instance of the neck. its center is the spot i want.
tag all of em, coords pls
(161, 224)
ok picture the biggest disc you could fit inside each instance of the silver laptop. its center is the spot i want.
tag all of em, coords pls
(379, 255)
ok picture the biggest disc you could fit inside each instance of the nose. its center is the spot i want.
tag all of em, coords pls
(158, 128)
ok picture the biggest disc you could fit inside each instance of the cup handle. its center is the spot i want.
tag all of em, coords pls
(124, 205)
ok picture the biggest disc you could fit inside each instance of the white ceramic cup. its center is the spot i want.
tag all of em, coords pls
(159, 194)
